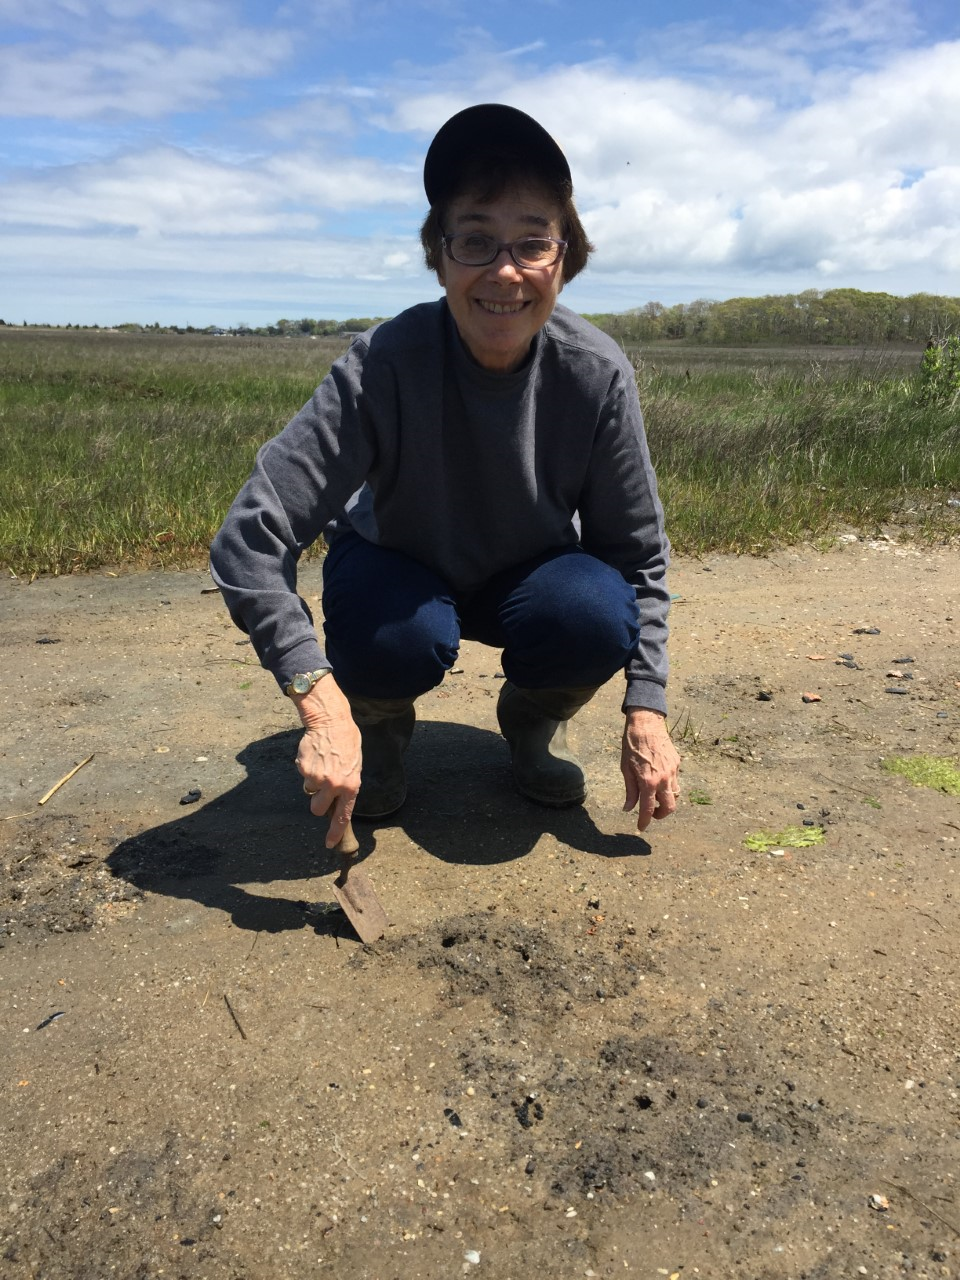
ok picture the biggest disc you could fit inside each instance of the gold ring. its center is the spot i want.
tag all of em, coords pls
(306, 789)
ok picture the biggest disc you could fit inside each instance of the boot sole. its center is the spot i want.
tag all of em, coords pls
(551, 802)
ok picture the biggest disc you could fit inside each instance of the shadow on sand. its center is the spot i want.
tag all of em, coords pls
(461, 808)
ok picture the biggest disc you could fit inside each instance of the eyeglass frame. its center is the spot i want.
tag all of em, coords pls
(510, 245)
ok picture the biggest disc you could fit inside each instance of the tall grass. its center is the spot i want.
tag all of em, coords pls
(128, 449)
(751, 457)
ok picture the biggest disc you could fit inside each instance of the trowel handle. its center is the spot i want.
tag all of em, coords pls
(348, 843)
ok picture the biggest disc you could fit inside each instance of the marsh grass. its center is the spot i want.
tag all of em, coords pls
(128, 449)
(751, 457)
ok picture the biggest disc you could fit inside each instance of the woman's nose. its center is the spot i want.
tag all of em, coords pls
(504, 267)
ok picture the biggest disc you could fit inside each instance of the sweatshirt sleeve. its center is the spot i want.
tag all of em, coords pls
(302, 478)
(622, 524)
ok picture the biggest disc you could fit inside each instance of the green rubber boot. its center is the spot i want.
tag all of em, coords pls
(386, 726)
(534, 723)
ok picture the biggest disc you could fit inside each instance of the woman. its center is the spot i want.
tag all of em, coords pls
(479, 469)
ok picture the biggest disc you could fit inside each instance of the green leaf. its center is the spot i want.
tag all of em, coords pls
(788, 838)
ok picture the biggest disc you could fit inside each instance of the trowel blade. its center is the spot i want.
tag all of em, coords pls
(358, 899)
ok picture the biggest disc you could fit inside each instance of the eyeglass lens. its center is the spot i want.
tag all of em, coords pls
(478, 251)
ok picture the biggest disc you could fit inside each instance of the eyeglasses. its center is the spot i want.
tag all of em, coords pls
(474, 250)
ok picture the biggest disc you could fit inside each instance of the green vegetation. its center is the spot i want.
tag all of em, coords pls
(940, 372)
(937, 772)
(129, 447)
(759, 448)
(788, 838)
(834, 317)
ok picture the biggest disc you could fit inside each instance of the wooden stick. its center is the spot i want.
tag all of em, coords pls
(898, 1186)
(66, 778)
(236, 1020)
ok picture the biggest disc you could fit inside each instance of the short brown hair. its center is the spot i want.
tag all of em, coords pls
(487, 175)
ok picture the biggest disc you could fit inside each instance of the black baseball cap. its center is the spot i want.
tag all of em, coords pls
(491, 124)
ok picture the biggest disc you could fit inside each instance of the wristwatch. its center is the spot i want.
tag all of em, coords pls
(304, 681)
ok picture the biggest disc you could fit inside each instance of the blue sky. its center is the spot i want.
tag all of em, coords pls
(212, 162)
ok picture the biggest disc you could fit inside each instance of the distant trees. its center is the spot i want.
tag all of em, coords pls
(836, 317)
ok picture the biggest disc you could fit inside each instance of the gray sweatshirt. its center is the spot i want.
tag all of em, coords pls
(409, 442)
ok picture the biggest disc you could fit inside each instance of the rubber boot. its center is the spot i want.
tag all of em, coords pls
(534, 723)
(386, 726)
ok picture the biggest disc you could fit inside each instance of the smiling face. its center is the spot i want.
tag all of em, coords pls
(499, 308)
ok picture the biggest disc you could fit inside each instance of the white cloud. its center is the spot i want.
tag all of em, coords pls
(137, 77)
(167, 192)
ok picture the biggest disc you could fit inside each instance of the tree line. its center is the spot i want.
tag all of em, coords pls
(833, 317)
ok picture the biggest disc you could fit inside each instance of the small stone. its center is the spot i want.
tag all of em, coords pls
(191, 796)
(702, 1103)
(900, 660)
(890, 690)
(880, 1203)
(473, 1257)
(745, 1117)
(866, 631)
(811, 697)
(809, 822)
(764, 696)
(846, 657)
(531, 1168)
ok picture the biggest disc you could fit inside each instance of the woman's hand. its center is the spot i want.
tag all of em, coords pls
(329, 755)
(650, 766)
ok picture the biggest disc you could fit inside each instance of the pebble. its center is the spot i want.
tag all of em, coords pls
(866, 631)
(764, 696)
(192, 796)
(473, 1257)
(745, 1117)
(896, 691)
(811, 697)
(903, 659)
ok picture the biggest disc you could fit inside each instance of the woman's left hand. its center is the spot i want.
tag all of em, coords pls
(650, 766)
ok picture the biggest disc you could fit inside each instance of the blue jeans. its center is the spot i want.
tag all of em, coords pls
(393, 627)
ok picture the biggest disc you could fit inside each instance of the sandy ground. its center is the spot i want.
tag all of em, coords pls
(576, 1052)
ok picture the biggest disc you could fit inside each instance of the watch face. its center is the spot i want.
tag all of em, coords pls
(301, 684)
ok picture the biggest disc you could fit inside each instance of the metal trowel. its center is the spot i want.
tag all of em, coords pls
(355, 894)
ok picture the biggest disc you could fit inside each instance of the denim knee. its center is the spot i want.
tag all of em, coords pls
(572, 622)
(390, 624)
